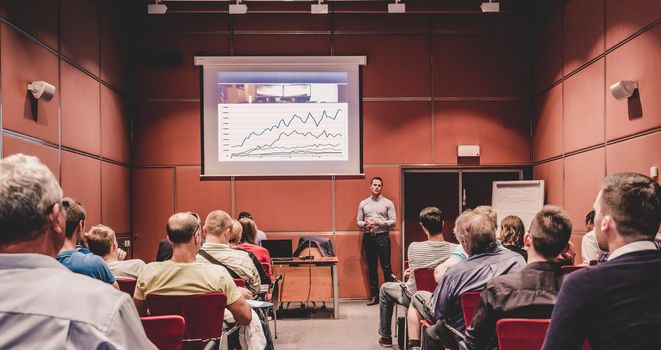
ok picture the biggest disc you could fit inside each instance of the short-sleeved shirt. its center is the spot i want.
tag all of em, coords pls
(235, 260)
(86, 264)
(172, 278)
(427, 254)
(127, 269)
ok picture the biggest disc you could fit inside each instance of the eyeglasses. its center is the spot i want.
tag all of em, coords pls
(197, 218)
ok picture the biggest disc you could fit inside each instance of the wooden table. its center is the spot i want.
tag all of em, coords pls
(309, 280)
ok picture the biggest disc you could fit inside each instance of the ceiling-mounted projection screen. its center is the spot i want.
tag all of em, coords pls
(281, 116)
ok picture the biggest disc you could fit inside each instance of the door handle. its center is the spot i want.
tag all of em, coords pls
(463, 198)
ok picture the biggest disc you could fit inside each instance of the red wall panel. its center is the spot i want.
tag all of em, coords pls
(292, 204)
(281, 22)
(396, 132)
(38, 18)
(168, 57)
(552, 174)
(115, 135)
(624, 18)
(116, 197)
(282, 45)
(635, 155)
(153, 204)
(387, 56)
(80, 37)
(584, 108)
(47, 155)
(547, 45)
(584, 173)
(81, 179)
(481, 65)
(81, 121)
(502, 129)
(113, 48)
(547, 125)
(350, 191)
(167, 133)
(202, 197)
(384, 23)
(16, 109)
(635, 60)
(584, 30)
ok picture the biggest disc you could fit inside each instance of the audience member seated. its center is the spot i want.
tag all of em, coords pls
(511, 235)
(259, 235)
(530, 293)
(476, 231)
(589, 248)
(615, 305)
(216, 250)
(103, 242)
(235, 239)
(183, 275)
(43, 304)
(87, 264)
(249, 243)
(459, 253)
(427, 254)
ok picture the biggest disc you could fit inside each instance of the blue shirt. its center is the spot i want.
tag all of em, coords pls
(469, 276)
(86, 264)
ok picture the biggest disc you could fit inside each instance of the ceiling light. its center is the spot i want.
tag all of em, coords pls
(396, 7)
(319, 9)
(490, 6)
(156, 8)
(238, 8)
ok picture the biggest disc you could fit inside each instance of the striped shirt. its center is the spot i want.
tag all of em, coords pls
(235, 260)
(427, 254)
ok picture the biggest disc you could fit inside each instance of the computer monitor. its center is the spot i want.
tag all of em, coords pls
(278, 248)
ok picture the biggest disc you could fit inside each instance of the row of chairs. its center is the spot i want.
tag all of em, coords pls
(512, 333)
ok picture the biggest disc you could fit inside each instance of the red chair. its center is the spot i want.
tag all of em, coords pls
(571, 268)
(127, 286)
(240, 283)
(469, 302)
(166, 332)
(204, 313)
(524, 333)
(424, 279)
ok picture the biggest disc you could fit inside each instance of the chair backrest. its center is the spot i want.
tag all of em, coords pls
(521, 333)
(166, 332)
(204, 313)
(267, 267)
(571, 268)
(239, 282)
(424, 279)
(127, 286)
(469, 302)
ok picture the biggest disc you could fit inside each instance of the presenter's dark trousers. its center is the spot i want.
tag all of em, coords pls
(377, 246)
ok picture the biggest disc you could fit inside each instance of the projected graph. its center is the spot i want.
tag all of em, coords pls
(282, 131)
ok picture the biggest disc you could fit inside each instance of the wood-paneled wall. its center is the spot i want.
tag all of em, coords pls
(580, 132)
(83, 133)
(431, 82)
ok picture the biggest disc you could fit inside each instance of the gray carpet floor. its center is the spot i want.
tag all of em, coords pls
(357, 328)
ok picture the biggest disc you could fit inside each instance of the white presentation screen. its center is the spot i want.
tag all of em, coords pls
(281, 116)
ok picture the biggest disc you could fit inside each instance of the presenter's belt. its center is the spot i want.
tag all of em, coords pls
(376, 233)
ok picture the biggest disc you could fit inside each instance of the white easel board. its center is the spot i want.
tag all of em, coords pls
(521, 198)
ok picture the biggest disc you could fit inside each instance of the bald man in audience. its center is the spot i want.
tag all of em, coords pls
(216, 250)
(615, 304)
(44, 305)
(102, 241)
(183, 275)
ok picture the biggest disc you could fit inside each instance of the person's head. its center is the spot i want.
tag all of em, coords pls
(235, 232)
(431, 220)
(549, 232)
(217, 226)
(75, 219)
(627, 209)
(101, 240)
(489, 212)
(30, 205)
(245, 214)
(476, 232)
(512, 231)
(249, 231)
(376, 185)
(183, 228)
(589, 221)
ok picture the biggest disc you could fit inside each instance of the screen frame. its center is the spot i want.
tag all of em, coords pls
(281, 62)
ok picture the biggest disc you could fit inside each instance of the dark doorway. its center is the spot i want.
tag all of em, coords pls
(452, 191)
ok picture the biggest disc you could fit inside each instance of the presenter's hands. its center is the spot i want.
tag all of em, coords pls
(245, 293)
(121, 254)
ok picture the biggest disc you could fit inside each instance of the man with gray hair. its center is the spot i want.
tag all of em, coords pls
(476, 232)
(69, 310)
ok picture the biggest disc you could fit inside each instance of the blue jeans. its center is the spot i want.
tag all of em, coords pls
(391, 293)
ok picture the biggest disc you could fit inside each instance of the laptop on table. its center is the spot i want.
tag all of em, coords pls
(279, 249)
